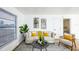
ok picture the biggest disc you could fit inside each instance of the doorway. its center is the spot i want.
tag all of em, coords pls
(66, 25)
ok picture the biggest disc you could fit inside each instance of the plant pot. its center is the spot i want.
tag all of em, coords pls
(26, 36)
(23, 35)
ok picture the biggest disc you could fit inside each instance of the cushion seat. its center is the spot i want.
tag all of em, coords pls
(66, 42)
(49, 39)
(68, 39)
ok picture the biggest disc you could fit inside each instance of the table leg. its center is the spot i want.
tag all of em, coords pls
(32, 48)
(41, 49)
(59, 43)
(46, 49)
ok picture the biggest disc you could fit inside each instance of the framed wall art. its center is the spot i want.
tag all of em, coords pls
(43, 23)
(36, 22)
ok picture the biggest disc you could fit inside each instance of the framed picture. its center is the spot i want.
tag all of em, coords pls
(36, 22)
(43, 23)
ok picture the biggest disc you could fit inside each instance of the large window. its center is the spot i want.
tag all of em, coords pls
(7, 27)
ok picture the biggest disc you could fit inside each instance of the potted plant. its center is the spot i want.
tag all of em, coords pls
(24, 29)
(41, 41)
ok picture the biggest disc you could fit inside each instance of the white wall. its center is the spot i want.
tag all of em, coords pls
(20, 21)
(54, 23)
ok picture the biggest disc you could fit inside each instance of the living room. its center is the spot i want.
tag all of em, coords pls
(53, 23)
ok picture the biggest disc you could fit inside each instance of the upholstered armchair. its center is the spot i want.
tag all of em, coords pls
(68, 40)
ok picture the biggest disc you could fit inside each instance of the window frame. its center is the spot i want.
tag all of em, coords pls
(15, 23)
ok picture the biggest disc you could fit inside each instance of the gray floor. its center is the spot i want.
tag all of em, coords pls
(51, 47)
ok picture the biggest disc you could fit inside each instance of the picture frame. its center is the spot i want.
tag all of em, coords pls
(36, 22)
(43, 23)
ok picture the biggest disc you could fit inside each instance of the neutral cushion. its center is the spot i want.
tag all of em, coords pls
(66, 42)
(49, 39)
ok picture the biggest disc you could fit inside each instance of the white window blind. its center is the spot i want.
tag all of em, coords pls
(7, 27)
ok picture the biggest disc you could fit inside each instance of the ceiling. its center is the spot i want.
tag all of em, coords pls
(48, 10)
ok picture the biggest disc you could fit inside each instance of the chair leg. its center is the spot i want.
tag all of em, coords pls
(59, 43)
(72, 48)
(75, 44)
(41, 49)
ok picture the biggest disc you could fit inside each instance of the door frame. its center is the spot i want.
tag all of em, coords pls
(63, 24)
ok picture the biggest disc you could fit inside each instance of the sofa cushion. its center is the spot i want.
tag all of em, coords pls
(34, 33)
(52, 34)
(40, 33)
(49, 39)
(45, 34)
(68, 37)
(29, 34)
(66, 42)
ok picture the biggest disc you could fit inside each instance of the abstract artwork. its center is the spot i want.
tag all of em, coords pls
(36, 22)
(43, 23)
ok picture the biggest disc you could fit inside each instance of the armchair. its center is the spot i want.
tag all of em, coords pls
(68, 40)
